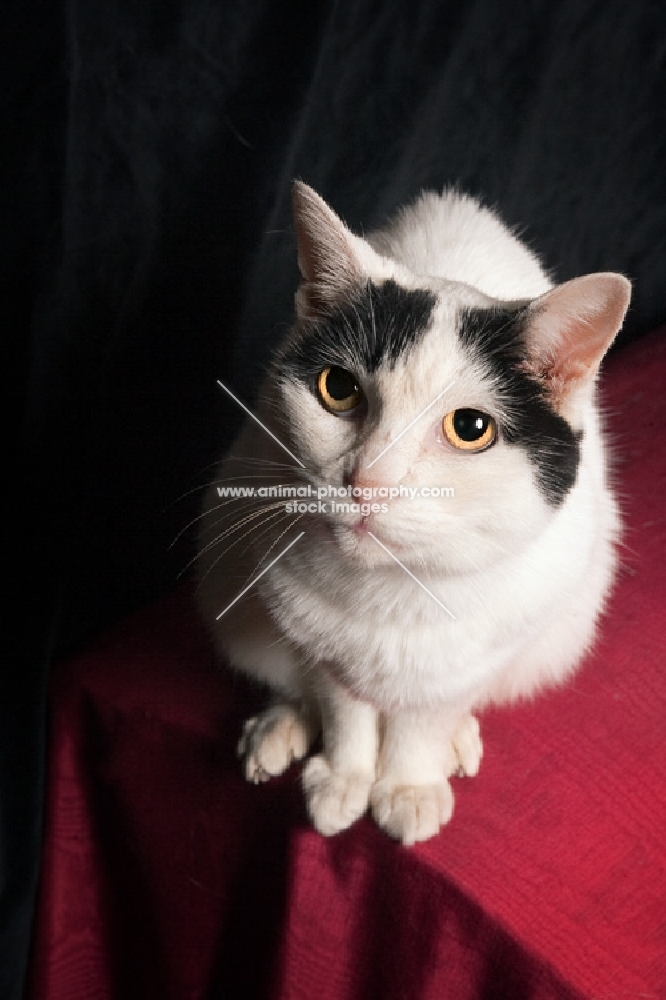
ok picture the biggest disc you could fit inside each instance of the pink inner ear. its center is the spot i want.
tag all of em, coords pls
(573, 326)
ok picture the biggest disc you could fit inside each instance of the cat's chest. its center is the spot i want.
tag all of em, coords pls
(389, 640)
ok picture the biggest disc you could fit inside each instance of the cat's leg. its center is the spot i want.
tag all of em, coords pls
(286, 730)
(412, 797)
(337, 782)
(466, 748)
(282, 733)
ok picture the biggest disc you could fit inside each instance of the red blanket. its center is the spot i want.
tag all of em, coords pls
(166, 876)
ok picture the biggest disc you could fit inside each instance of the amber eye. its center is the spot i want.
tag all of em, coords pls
(338, 390)
(469, 430)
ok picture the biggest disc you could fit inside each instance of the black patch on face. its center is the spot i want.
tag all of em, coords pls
(375, 324)
(497, 337)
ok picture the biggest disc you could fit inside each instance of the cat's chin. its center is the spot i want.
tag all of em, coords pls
(369, 544)
(365, 544)
(355, 542)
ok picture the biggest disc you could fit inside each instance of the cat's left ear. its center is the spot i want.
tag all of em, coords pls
(571, 327)
(329, 254)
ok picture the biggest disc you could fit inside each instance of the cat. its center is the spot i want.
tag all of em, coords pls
(435, 352)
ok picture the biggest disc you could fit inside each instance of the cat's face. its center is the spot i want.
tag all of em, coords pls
(351, 391)
(389, 380)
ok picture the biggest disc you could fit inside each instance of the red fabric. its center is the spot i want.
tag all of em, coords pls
(165, 875)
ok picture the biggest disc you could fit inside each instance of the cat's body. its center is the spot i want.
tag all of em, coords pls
(388, 627)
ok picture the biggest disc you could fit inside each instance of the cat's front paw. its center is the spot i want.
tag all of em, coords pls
(272, 740)
(410, 813)
(466, 749)
(334, 801)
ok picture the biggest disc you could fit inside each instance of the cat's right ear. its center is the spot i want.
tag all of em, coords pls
(328, 253)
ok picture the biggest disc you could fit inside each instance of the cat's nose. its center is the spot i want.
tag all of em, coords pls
(358, 478)
(374, 468)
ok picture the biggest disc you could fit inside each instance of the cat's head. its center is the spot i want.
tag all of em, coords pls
(389, 378)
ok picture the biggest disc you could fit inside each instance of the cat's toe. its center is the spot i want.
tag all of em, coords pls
(467, 748)
(411, 813)
(334, 801)
(272, 740)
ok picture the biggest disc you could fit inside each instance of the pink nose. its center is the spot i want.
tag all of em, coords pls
(357, 479)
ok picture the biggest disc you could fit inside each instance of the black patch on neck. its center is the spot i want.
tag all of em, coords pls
(374, 324)
(497, 337)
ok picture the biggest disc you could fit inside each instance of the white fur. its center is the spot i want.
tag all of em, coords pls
(451, 236)
(342, 631)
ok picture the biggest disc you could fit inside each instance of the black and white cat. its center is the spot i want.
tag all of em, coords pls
(433, 353)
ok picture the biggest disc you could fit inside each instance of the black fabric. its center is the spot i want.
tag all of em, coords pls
(552, 112)
(148, 153)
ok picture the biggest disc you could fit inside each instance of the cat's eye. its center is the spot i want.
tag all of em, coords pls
(338, 390)
(469, 430)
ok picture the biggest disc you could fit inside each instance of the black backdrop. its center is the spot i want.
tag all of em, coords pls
(147, 153)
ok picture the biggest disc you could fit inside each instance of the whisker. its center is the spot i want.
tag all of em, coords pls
(275, 542)
(218, 538)
(264, 531)
(254, 460)
(234, 527)
(220, 556)
(243, 508)
(248, 501)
